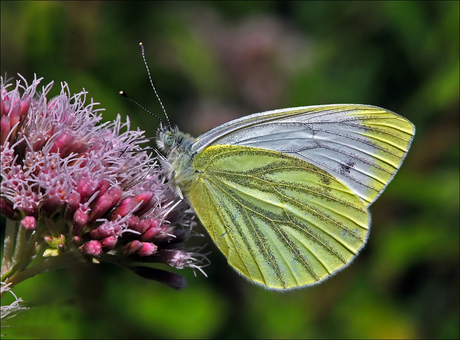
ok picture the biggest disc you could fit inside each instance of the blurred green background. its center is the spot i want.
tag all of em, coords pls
(215, 61)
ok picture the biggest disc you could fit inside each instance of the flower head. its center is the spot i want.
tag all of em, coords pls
(73, 188)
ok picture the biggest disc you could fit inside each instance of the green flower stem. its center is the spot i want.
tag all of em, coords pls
(21, 251)
(20, 262)
(21, 248)
(23, 254)
(8, 244)
(48, 264)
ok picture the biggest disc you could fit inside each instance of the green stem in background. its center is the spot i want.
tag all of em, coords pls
(8, 244)
(48, 264)
(21, 247)
(24, 252)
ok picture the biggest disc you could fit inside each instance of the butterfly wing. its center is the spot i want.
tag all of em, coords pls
(362, 145)
(280, 221)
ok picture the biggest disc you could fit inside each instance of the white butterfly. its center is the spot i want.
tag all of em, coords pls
(285, 194)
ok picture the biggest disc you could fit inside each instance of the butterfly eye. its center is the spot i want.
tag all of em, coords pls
(169, 140)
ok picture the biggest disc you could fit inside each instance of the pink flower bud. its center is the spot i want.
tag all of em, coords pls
(126, 206)
(85, 190)
(51, 204)
(143, 225)
(24, 106)
(77, 241)
(61, 144)
(154, 223)
(92, 248)
(133, 221)
(61, 242)
(49, 240)
(106, 229)
(109, 243)
(73, 202)
(144, 197)
(67, 143)
(150, 233)
(14, 115)
(147, 249)
(4, 127)
(102, 187)
(80, 218)
(132, 247)
(147, 202)
(29, 223)
(3, 104)
(105, 202)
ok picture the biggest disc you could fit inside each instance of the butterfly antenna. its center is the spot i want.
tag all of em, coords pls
(141, 46)
(123, 93)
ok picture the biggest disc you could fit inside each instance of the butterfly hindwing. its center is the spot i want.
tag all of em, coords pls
(280, 221)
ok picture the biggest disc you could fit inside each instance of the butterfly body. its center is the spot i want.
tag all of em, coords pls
(284, 194)
(178, 165)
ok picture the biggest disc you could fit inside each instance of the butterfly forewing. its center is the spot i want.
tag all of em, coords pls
(280, 221)
(363, 146)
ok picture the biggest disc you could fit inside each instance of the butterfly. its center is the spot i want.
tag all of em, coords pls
(285, 194)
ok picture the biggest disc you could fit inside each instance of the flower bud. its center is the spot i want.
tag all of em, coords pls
(4, 127)
(133, 222)
(105, 202)
(105, 230)
(132, 247)
(126, 206)
(151, 233)
(14, 115)
(29, 223)
(147, 249)
(85, 190)
(109, 243)
(62, 144)
(80, 218)
(147, 202)
(51, 204)
(92, 248)
(24, 106)
(57, 243)
(143, 225)
(102, 187)
(48, 239)
(77, 241)
(73, 202)
(4, 102)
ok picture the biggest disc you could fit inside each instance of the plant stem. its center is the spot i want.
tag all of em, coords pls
(8, 244)
(48, 264)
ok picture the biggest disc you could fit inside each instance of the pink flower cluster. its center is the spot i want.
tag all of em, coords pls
(84, 187)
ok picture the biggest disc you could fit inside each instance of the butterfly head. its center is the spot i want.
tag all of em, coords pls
(167, 137)
(170, 138)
